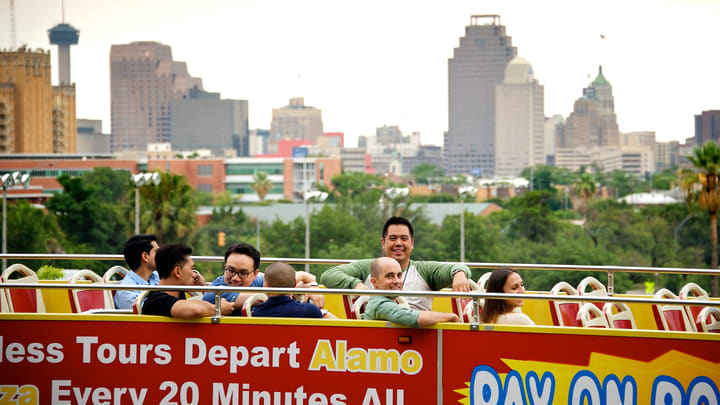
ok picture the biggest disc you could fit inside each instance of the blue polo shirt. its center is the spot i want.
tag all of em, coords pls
(286, 307)
(124, 298)
(230, 296)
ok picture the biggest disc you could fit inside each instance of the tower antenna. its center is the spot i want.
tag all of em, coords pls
(13, 41)
(62, 3)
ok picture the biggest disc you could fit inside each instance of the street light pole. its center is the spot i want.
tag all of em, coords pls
(139, 180)
(307, 196)
(9, 180)
(462, 192)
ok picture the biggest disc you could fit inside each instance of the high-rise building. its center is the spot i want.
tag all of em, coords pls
(707, 127)
(203, 120)
(144, 79)
(295, 121)
(667, 154)
(477, 66)
(519, 120)
(90, 138)
(593, 122)
(554, 128)
(35, 117)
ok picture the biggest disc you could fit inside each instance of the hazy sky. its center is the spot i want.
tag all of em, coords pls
(369, 63)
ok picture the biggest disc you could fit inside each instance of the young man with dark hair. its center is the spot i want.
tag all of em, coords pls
(386, 274)
(139, 252)
(282, 275)
(397, 242)
(175, 267)
(241, 268)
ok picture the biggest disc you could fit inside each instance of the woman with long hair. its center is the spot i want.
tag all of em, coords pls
(504, 280)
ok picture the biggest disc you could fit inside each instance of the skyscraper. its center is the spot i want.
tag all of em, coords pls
(519, 120)
(707, 127)
(593, 122)
(296, 121)
(203, 120)
(477, 66)
(35, 117)
(143, 80)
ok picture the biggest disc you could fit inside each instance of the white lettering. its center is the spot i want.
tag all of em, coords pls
(190, 345)
(81, 397)
(163, 354)
(234, 361)
(261, 357)
(86, 342)
(57, 392)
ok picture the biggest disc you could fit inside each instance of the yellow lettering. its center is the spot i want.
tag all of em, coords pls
(28, 395)
(357, 360)
(384, 361)
(411, 362)
(341, 347)
(7, 392)
(323, 357)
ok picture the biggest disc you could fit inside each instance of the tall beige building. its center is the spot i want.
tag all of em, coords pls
(295, 121)
(519, 120)
(593, 122)
(144, 79)
(35, 117)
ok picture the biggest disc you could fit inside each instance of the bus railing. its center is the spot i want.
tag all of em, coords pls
(476, 296)
(610, 270)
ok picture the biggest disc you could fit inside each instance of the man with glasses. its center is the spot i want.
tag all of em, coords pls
(176, 268)
(242, 269)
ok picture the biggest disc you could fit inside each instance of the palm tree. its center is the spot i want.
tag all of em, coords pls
(262, 185)
(707, 160)
(168, 209)
(585, 189)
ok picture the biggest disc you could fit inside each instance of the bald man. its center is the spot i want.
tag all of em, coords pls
(386, 274)
(282, 275)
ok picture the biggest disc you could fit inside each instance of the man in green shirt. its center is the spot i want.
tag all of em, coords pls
(397, 242)
(386, 274)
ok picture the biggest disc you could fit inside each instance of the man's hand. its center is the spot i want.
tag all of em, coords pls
(226, 308)
(198, 279)
(361, 286)
(460, 282)
(318, 300)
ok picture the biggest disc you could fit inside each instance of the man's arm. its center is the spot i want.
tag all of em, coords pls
(382, 308)
(428, 318)
(124, 298)
(348, 276)
(440, 275)
(304, 279)
(191, 309)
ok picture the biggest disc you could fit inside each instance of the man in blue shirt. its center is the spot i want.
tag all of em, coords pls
(139, 253)
(282, 275)
(241, 268)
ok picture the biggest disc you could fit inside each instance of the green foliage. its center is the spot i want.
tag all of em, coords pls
(426, 171)
(86, 217)
(168, 209)
(261, 184)
(47, 272)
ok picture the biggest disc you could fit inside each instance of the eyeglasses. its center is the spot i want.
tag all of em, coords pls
(240, 274)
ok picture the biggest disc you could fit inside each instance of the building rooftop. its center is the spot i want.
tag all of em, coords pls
(63, 34)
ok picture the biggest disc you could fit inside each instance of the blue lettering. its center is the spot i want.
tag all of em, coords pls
(585, 386)
(546, 387)
(513, 394)
(702, 391)
(624, 393)
(666, 391)
(485, 386)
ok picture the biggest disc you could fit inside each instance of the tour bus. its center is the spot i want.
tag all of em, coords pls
(64, 343)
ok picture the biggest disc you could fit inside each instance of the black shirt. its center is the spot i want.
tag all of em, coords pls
(160, 303)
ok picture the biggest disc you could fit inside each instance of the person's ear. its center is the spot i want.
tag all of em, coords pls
(145, 256)
(176, 271)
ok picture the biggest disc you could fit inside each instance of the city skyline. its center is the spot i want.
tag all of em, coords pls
(371, 64)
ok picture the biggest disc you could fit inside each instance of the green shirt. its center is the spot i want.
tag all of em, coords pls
(383, 308)
(418, 276)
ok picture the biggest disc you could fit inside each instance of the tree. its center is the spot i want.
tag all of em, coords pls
(585, 189)
(261, 184)
(168, 209)
(111, 186)
(85, 218)
(426, 171)
(707, 160)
